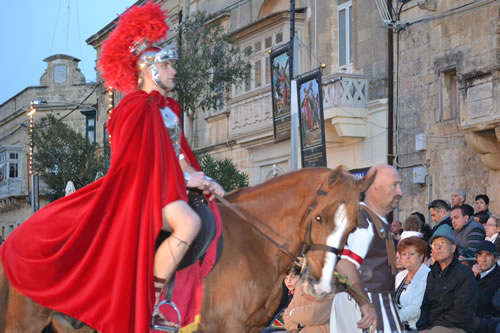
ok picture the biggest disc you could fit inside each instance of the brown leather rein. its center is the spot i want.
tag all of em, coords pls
(307, 244)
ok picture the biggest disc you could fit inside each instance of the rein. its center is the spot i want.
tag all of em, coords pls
(307, 243)
(235, 210)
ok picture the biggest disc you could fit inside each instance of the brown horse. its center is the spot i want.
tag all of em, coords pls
(311, 209)
(318, 206)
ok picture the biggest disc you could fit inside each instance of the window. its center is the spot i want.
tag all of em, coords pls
(257, 46)
(60, 73)
(345, 32)
(279, 37)
(13, 170)
(248, 84)
(9, 163)
(449, 104)
(258, 74)
(268, 42)
(90, 122)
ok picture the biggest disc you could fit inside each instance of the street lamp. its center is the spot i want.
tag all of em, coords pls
(34, 178)
(31, 115)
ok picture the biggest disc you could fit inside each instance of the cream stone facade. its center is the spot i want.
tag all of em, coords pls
(355, 107)
(63, 93)
(448, 113)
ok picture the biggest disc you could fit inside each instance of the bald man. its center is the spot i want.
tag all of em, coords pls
(369, 263)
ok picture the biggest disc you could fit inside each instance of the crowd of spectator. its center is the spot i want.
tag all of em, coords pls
(457, 288)
(447, 279)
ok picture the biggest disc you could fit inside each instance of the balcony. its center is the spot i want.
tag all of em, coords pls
(345, 103)
(10, 188)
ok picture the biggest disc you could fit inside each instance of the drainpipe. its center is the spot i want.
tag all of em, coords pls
(390, 93)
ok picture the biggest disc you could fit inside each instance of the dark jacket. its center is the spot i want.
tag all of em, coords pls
(469, 237)
(450, 298)
(487, 288)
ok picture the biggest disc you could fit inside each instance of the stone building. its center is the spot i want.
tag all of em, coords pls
(63, 93)
(345, 35)
(448, 110)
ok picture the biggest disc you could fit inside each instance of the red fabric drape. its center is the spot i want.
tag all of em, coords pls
(90, 254)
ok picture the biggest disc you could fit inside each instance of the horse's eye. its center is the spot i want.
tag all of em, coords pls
(318, 219)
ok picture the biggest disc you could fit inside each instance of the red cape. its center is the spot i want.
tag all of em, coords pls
(188, 287)
(90, 254)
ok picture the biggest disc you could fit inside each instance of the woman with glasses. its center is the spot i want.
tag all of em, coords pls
(411, 282)
(492, 227)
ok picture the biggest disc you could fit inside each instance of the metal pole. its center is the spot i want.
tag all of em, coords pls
(390, 94)
(293, 93)
(292, 36)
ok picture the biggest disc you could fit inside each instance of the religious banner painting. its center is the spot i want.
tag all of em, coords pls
(280, 83)
(312, 133)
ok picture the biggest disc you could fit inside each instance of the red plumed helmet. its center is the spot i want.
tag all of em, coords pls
(137, 27)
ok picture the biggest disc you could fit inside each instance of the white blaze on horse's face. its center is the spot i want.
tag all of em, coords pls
(324, 286)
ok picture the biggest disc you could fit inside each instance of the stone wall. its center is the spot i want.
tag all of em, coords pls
(433, 53)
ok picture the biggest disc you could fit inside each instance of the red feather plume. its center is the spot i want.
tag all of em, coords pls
(118, 62)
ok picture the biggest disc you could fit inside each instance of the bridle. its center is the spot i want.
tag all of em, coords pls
(307, 244)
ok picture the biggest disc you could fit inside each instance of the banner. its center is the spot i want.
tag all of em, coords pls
(312, 129)
(280, 83)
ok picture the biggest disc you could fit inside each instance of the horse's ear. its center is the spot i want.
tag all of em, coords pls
(365, 182)
(336, 174)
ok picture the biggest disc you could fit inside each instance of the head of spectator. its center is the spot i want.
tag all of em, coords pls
(438, 209)
(457, 198)
(412, 223)
(486, 255)
(481, 217)
(459, 217)
(420, 216)
(425, 229)
(385, 192)
(482, 202)
(291, 278)
(399, 263)
(443, 245)
(412, 251)
(469, 210)
(396, 227)
(492, 226)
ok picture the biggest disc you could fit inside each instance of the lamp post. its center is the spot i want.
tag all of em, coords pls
(31, 115)
(34, 199)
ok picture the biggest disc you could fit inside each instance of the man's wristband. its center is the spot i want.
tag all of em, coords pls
(187, 176)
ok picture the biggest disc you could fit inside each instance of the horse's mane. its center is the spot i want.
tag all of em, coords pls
(291, 177)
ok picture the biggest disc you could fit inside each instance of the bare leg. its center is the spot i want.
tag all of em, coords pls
(184, 224)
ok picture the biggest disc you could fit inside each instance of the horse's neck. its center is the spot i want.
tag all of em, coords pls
(278, 207)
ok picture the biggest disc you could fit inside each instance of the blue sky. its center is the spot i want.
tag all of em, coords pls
(35, 29)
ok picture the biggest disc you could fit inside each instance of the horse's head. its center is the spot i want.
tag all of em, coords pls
(330, 218)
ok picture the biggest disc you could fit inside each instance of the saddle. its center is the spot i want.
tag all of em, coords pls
(206, 235)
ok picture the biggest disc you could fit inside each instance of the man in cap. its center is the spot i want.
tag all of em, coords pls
(487, 274)
(451, 294)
